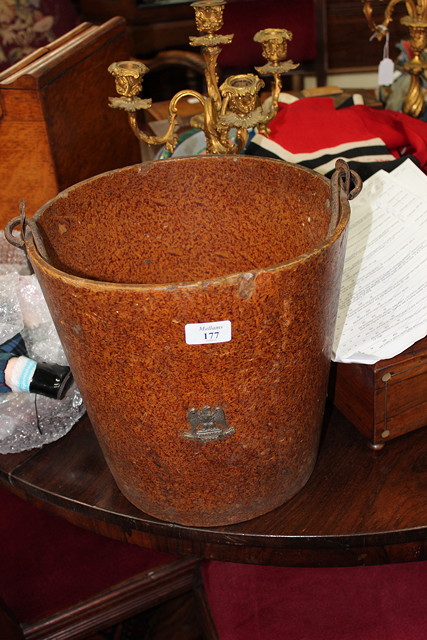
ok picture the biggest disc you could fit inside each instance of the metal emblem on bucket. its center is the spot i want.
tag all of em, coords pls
(208, 424)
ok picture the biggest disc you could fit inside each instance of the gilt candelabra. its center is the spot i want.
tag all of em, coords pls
(235, 104)
(416, 21)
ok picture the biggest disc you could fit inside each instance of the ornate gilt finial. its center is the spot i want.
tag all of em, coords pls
(274, 50)
(128, 77)
(209, 20)
(241, 102)
(235, 104)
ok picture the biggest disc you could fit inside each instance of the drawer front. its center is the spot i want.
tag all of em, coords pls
(401, 401)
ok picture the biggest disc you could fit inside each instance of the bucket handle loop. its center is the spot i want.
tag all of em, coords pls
(346, 179)
(19, 221)
(345, 184)
(19, 241)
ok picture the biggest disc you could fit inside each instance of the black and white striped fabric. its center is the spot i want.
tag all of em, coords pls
(323, 160)
(313, 133)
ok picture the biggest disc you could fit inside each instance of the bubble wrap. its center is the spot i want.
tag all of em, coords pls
(11, 319)
(39, 333)
(27, 420)
(10, 255)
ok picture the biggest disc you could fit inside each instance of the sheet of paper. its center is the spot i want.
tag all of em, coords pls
(411, 178)
(383, 300)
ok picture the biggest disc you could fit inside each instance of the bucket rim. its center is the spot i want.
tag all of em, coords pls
(34, 244)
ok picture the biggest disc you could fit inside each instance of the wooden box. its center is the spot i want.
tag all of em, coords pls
(386, 399)
(56, 127)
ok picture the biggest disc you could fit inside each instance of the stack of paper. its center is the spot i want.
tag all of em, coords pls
(383, 300)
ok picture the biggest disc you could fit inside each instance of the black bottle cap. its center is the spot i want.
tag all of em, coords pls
(51, 380)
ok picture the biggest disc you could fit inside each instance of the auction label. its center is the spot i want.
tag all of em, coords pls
(208, 332)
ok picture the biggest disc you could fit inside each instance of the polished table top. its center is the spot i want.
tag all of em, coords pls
(359, 506)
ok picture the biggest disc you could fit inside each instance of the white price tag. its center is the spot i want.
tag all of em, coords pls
(385, 72)
(208, 332)
(386, 66)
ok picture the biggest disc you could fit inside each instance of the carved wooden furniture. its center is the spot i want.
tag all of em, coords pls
(59, 581)
(359, 507)
(172, 69)
(55, 125)
(386, 399)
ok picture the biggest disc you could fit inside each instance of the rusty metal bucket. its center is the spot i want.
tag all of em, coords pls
(196, 302)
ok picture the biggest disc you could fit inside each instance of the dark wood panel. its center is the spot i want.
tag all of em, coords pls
(148, 39)
(151, 28)
(136, 12)
(348, 34)
(127, 599)
(10, 462)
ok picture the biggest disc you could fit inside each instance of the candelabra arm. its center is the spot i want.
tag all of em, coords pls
(381, 29)
(168, 139)
(276, 87)
(242, 136)
(209, 19)
(271, 106)
(210, 56)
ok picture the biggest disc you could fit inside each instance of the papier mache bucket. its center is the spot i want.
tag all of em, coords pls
(196, 301)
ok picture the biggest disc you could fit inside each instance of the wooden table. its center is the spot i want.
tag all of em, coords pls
(359, 506)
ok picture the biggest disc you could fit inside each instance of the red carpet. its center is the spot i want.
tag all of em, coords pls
(48, 564)
(249, 602)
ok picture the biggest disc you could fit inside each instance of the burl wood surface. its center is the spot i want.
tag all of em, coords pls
(56, 127)
(199, 240)
(359, 506)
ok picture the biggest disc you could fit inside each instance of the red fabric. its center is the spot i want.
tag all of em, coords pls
(251, 602)
(313, 123)
(244, 18)
(47, 564)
